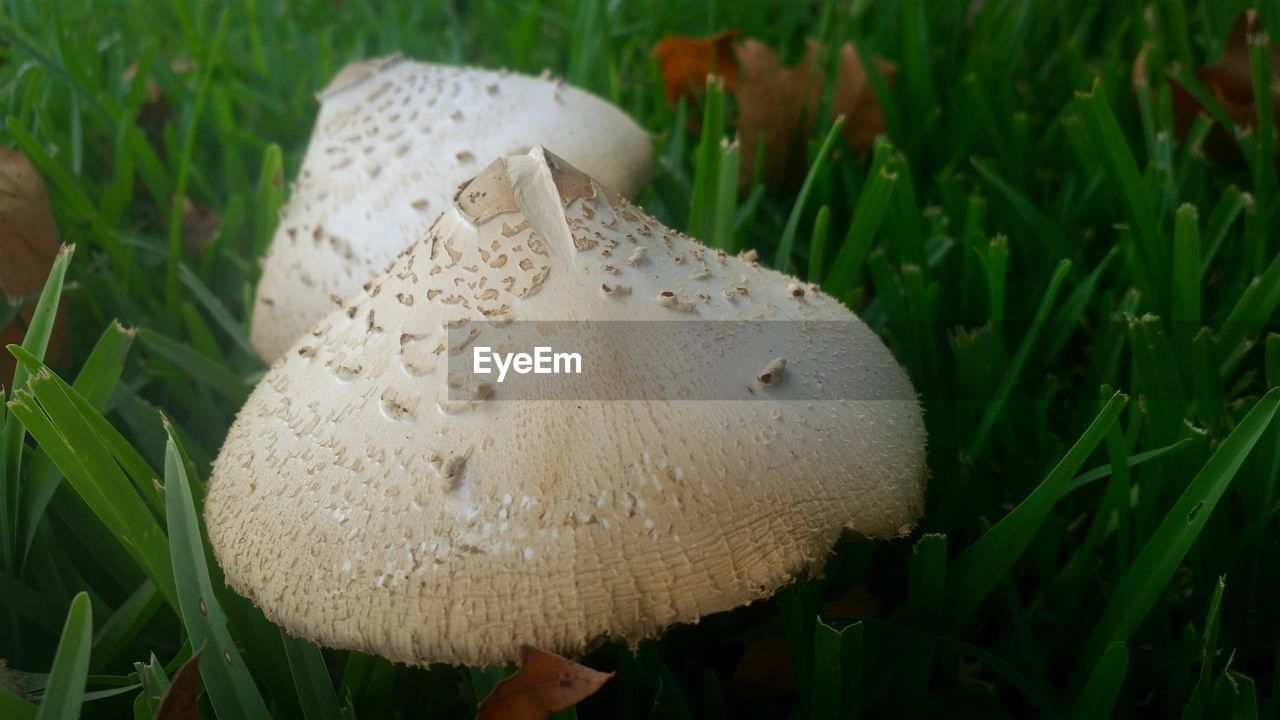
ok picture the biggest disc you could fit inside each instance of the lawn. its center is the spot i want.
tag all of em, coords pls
(1066, 234)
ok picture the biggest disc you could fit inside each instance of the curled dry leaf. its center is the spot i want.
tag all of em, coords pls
(28, 245)
(777, 105)
(1229, 81)
(687, 61)
(545, 683)
(179, 702)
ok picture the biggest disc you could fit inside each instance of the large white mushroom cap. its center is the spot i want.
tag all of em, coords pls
(393, 141)
(359, 505)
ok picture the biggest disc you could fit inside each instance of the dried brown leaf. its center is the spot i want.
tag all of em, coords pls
(179, 701)
(778, 106)
(687, 61)
(28, 246)
(1230, 81)
(545, 683)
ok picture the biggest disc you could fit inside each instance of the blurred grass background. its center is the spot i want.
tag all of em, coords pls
(1085, 298)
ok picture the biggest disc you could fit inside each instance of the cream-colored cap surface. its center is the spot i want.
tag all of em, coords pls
(359, 505)
(393, 140)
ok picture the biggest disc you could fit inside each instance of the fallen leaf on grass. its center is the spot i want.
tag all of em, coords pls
(687, 61)
(777, 105)
(179, 702)
(28, 246)
(1229, 81)
(545, 683)
(200, 226)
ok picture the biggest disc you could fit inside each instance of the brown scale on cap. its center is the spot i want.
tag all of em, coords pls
(360, 505)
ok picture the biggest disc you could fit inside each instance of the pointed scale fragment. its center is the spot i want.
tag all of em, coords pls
(393, 141)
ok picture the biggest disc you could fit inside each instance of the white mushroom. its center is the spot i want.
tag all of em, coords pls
(393, 141)
(358, 503)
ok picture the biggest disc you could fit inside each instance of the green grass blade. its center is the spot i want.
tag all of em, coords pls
(837, 672)
(1020, 204)
(1113, 151)
(95, 382)
(998, 665)
(69, 409)
(927, 580)
(706, 174)
(1155, 565)
(818, 243)
(1186, 278)
(1262, 64)
(35, 342)
(155, 683)
(125, 624)
(269, 198)
(868, 216)
(1249, 316)
(973, 575)
(1132, 461)
(93, 473)
(1098, 698)
(29, 604)
(65, 691)
(179, 197)
(311, 678)
(785, 245)
(221, 316)
(996, 407)
(198, 366)
(13, 707)
(1203, 689)
(227, 680)
(1230, 205)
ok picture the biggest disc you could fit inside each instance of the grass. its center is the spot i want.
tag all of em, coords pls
(1085, 300)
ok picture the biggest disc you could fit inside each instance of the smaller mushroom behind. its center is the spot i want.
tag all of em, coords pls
(393, 141)
(360, 504)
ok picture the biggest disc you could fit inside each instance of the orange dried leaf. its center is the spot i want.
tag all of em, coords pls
(687, 61)
(179, 702)
(28, 245)
(778, 106)
(545, 683)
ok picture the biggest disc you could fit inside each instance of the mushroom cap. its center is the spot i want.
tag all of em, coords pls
(359, 505)
(393, 140)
